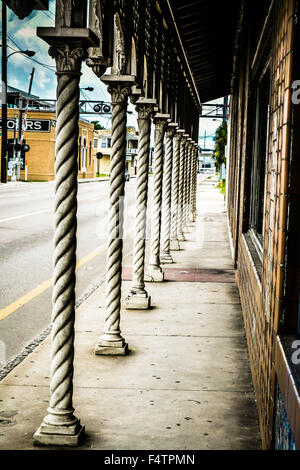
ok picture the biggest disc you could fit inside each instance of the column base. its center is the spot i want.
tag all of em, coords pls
(166, 258)
(174, 245)
(111, 348)
(137, 301)
(55, 435)
(154, 275)
(181, 237)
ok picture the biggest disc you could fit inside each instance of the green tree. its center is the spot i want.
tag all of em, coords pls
(97, 125)
(221, 141)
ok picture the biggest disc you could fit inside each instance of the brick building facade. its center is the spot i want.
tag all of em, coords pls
(40, 136)
(263, 208)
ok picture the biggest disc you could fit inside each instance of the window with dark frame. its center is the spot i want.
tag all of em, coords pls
(261, 113)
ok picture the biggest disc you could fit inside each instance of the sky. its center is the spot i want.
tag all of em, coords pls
(22, 35)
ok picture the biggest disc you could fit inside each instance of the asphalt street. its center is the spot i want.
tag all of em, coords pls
(26, 253)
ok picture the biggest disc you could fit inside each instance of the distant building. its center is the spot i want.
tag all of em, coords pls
(102, 144)
(40, 136)
(206, 162)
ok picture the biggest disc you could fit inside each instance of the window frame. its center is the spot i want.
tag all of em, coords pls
(259, 147)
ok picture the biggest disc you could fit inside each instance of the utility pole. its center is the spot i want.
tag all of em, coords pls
(225, 108)
(4, 96)
(21, 130)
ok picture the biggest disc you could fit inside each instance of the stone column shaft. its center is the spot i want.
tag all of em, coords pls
(111, 342)
(174, 243)
(60, 426)
(154, 271)
(180, 235)
(138, 297)
(194, 190)
(191, 167)
(166, 207)
(187, 184)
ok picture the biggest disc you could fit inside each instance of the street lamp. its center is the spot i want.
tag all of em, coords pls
(88, 88)
(5, 57)
(27, 52)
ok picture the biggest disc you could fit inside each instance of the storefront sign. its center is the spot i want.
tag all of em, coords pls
(32, 125)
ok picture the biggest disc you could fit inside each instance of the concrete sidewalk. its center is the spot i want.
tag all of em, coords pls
(185, 383)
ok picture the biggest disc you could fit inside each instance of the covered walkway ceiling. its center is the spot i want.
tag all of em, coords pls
(207, 30)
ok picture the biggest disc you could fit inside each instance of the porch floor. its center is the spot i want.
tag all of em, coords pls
(186, 382)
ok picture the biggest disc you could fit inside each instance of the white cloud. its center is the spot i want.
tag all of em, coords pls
(42, 78)
(25, 32)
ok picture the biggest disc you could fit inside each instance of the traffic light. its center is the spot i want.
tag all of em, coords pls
(102, 108)
(23, 147)
(99, 155)
(13, 148)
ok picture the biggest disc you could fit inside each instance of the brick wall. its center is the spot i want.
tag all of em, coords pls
(262, 283)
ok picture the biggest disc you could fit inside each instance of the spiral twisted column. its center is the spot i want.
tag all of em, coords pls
(154, 271)
(138, 297)
(191, 181)
(111, 342)
(196, 181)
(191, 217)
(187, 184)
(180, 212)
(166, 205)
(174, 243)
(190, 187)
(194, 190)
(60, 426)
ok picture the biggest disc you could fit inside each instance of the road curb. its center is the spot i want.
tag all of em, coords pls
(96, 180)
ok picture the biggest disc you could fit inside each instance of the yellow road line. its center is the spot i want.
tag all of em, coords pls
(25, 299)
(6, 311)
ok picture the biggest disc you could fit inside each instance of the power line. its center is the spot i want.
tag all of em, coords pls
(48, 13)
(46, 66)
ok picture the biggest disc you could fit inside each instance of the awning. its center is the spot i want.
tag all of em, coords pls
(207, 29)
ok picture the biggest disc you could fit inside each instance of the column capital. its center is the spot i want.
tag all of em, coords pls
(171, 129)
(68, 58)
(184, 139)
(160, 120)
(119, 86)
(162, 116)
(145, 107)
(136, 94)
(177, 136)
(68, 46)
(96, 62)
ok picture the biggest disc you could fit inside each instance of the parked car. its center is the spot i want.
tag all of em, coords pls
(127, 175)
